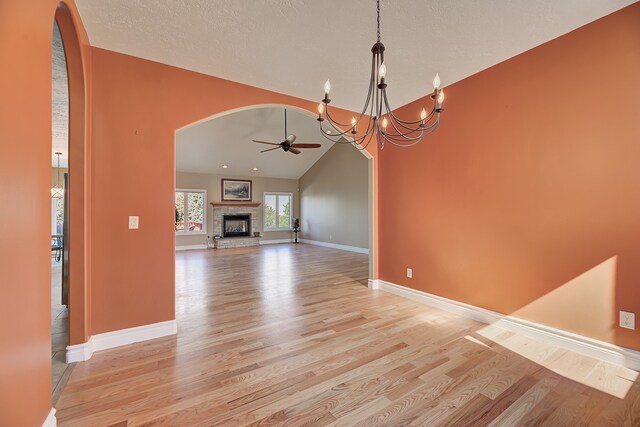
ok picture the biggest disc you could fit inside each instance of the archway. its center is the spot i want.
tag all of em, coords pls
(371, 173)
(77, 242)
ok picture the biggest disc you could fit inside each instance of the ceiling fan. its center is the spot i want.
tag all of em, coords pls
(288, 144)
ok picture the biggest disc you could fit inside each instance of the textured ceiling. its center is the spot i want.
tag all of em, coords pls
(226, 140)
(59, 101)
(292, 46)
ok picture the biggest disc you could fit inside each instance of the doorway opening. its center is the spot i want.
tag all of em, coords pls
(338, 210)
(59, 212)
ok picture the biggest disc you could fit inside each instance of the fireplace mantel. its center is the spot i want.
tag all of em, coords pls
(236, 204)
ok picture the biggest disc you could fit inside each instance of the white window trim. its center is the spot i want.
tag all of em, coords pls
(264, 205)
(204, 210)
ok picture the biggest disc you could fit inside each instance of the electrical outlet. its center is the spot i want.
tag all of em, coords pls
(627, 320)
(133, 222)
(409, 273)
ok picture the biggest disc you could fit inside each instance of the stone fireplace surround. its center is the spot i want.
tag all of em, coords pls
(219, 210)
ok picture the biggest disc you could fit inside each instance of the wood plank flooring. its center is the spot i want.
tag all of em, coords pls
(290, 335)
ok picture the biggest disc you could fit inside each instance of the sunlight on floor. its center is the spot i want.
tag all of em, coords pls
(606, 377)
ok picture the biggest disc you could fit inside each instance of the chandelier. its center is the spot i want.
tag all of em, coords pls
(57, 192)
(377, 119)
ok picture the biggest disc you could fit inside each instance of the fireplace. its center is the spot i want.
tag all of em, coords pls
(237, 225)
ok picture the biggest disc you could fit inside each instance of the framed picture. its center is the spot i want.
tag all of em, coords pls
(238, 190)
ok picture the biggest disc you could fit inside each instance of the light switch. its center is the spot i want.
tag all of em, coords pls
(133, 222)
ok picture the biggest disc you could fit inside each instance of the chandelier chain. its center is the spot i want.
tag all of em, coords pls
(378, 3)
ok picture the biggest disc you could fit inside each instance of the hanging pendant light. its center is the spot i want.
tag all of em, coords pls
(57, 192)
(377, 117)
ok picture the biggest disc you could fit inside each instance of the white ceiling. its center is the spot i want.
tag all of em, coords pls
(207, 146)
(59, 102)
(292, 46)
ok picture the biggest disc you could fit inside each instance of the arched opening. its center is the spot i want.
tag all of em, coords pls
(70, 238)
(59, 211)
(365, 153)
(205, 240)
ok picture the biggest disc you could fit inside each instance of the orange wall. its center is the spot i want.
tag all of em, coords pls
(25, 125)
(531, 181)
(137, 107)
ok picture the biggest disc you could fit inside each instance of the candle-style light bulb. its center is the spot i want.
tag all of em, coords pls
(436, 82)
(441, 98)
(423, 114)
(320, 108)
(384, 124)
(327, 87)
(382, 71)
(353, 122)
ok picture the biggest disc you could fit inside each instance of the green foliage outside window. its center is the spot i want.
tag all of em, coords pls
(277, 211)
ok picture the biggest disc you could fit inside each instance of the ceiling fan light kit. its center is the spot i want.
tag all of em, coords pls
(377, 115)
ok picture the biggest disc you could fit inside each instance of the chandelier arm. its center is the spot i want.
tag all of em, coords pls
(346, 133)
(415, 122)
(403, 124)
(400, 133)
(330, 136)
(364, 145)
(405, 136)
(425, 125)
(372, 125)
(402, 142)
(399, 139)
(361, 137)
(341, 132)
(400, 121)
(410, 144)
(355, 143)
(366, 104)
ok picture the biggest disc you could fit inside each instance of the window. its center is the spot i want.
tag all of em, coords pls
(191, 211)
(277, 211)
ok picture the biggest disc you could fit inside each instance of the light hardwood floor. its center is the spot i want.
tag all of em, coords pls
(59, 332)
(291, 335)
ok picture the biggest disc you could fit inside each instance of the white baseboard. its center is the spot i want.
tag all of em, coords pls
(190, 247)
(580, 344)
(82, 352)
(274, 242)
(336, 246)
(373, 284)
(51, 420)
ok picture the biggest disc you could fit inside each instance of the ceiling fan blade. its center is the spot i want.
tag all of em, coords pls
(265, 142)
(290, 139)
(305, 145)
(294, 150)
(270, 149)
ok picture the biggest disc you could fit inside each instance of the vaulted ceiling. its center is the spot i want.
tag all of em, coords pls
(293, 46)
(205, 147)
